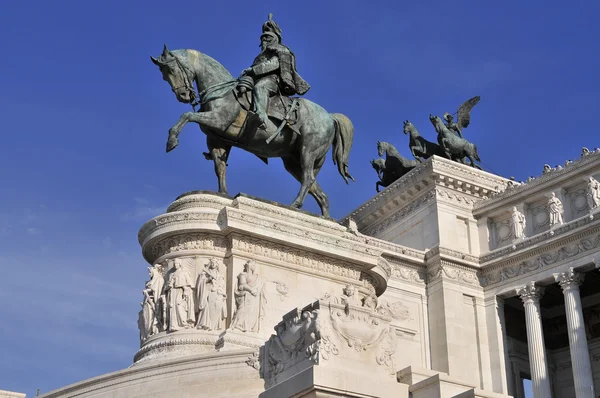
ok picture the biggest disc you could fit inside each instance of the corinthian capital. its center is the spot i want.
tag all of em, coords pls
(530, 292)
(569, 280)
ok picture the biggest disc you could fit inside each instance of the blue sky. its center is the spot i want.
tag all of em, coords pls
(85, 115)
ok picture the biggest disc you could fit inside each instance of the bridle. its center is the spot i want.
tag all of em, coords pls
(187, 83)
(206, 94)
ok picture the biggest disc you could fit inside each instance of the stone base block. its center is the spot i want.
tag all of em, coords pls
(318, 381)
(425, 383)
(215, 375)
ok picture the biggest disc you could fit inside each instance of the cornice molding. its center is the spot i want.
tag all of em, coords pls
(550, 255)
(545, 182)
(453, 182)
(547, 240)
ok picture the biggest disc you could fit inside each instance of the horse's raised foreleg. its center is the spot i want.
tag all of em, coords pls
(377, 184)
(211, 120)
(412, 151)
(218, 153)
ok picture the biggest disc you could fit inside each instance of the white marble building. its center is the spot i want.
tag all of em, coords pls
(451, 282)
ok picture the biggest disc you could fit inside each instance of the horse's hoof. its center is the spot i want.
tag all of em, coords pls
(296, 205)
(172, 144)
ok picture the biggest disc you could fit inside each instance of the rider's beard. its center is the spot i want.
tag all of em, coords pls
(263, 46)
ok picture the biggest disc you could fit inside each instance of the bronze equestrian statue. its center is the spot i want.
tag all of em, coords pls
(227, 115)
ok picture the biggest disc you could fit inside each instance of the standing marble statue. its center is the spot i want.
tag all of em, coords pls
(249, 299)
(555, 210)
(593, 193)
(517, 223)
(211, 297)
(180, 300)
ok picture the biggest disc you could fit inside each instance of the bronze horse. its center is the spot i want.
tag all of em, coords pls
(224, 121)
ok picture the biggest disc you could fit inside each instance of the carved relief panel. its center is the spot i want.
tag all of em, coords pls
(538, 214)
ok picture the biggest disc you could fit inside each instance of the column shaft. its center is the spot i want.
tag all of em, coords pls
(538, 364)
(580, 356)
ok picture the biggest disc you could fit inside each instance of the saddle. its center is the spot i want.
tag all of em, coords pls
(278, 108)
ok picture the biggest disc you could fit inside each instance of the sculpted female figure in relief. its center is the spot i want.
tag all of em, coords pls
(211, 297)
(555, 210)
(150, 318)
(593, 193)
(249, 299)
(180, 300)
(518, 223)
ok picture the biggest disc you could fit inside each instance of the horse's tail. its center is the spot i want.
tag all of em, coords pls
(342, 142)
(475, 154)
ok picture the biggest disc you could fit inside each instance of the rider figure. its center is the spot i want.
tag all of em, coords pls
(273, 70)
(451, 124)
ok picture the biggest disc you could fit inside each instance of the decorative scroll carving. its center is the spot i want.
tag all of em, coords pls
(295, 256)
(396, 310)
(254, 360)
(175, 218)
(282, 289)
(302, 233)
(407, 273)
(453, 272)
(457, 198)
(181, 242)
(320, 331)
(503, 231)
(298, 337)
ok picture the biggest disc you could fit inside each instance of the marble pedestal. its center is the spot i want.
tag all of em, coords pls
(297, 258)
(396, 285)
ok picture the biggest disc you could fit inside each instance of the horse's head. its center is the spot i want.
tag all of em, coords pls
(175, 72)
(380, 148)
(436, 121)
(378, 164)
(408, 127)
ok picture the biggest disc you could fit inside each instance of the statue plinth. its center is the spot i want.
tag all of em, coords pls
(431, 206)
(226, 269)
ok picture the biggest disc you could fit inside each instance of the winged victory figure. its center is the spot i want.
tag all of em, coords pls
(464, 116)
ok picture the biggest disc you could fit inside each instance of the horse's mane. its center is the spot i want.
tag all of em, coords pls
(194, 59)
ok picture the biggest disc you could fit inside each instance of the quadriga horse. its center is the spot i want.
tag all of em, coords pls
(222, 118)
(419, 146)
(456, 148)
(386, 177)
(394, 162)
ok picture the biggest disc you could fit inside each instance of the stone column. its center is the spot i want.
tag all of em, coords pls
(538, 364)
(580, 356)
(502, 321)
